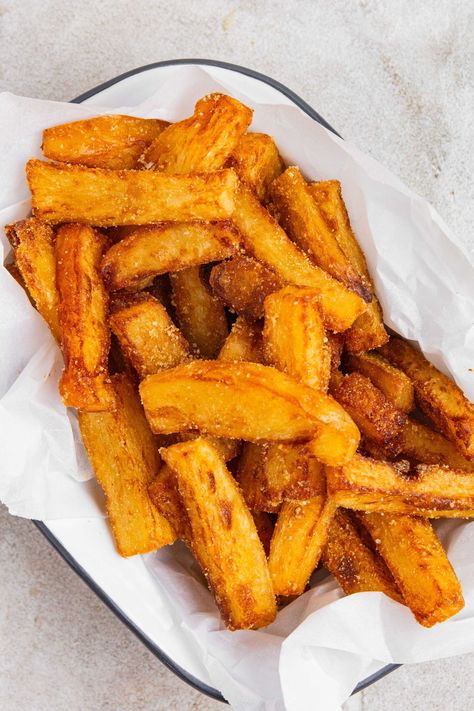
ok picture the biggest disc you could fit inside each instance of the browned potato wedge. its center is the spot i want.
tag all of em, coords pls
(437, 395)
(228, 448)
(433, 492)
(113, 141)
(157, 249)
(247, 401)
(354, 564)
(294, 336)
(147, 335)
(390, 380)
(83, 306)
(302, 221)
(243, 284)
(33, 246)
(203, 141)
(415, 557)
(165, 497)
(423, 445)
(297, 543)
(224, 538)
(265, 240)
(125, 459)
(201, 315)
(257, 162)
(368, 331)
(265, 525)
(96, 196)
(244, 342)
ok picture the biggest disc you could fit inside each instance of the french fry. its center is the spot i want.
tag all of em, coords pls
(336, 346)
(105, 198)
(436, 395)
(394, 384)
(257, 162)
(423, 445)
(228, 449)
(265, 240)
(165, 497)
(224, 538)
(252, 478)
(200, 314)
(203, 141)
(297, 543)
(432, 492)
(368, 331)
(417, 561)
(265, 527)
(113, 141)
(33, 247)
(302, 221)
(244, 342)
(157, 249)
(247, 401)
(83, 306)
(147, 335)
(125, 459)
(292, 316)
(356, 567)
(243, 284)
(375, 416)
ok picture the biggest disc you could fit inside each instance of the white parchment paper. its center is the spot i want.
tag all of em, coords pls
(323, 643)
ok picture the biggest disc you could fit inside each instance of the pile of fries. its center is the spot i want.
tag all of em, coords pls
(235, 385)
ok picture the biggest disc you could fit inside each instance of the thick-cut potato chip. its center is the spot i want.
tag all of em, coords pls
(354, 564)
(105, 198)
(243, 284)
(336, 346)
(157, 249)
(394, 384)
(303, 222)
(297, 543)
(432, 491)
(165, 497)
(200, 314)
(437, 395)
(224, 538)
(33, 246)
(368, 331)
(264, 239)
(113, 141)
(257, 162)
(203, 141)
(125, 460)
(228, 448)
(244, 342)
(147, 335)
(248, 401)
(423, 445)
(294, 336)
(83, 307)
(415, 557)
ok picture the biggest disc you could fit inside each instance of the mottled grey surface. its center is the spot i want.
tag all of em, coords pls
(397, 79)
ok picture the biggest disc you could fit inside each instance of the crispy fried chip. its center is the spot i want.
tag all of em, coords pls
(244, 342)
(257, 162)
(224, 538)
(228, 449)
(394, 384)
(95, 196)
(422, 445)
(165, 497)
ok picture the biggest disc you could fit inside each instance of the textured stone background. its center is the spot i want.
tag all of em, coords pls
(396, 78)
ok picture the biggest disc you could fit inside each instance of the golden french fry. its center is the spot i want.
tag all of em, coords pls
(83, 306)
(203, 141)
(147, 335)
(368, 331)
(228, 448)
(252, 478)
(200, 314)
(292, 316)
(422, 445)
(432, 491)
(356, 567)
(437, 395)
(243, 284)
(244, 342)
(417, 560)
(248, 401)
(265, 526)
(257, 162)
(265, 240)
(394, 384)
(33, 246)
(157, 249)
(165, 497)
(224, 538)
(297, 543)
(125, 459)
(302, 221)
(113, 141)
(105, 198)
(336, 346)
